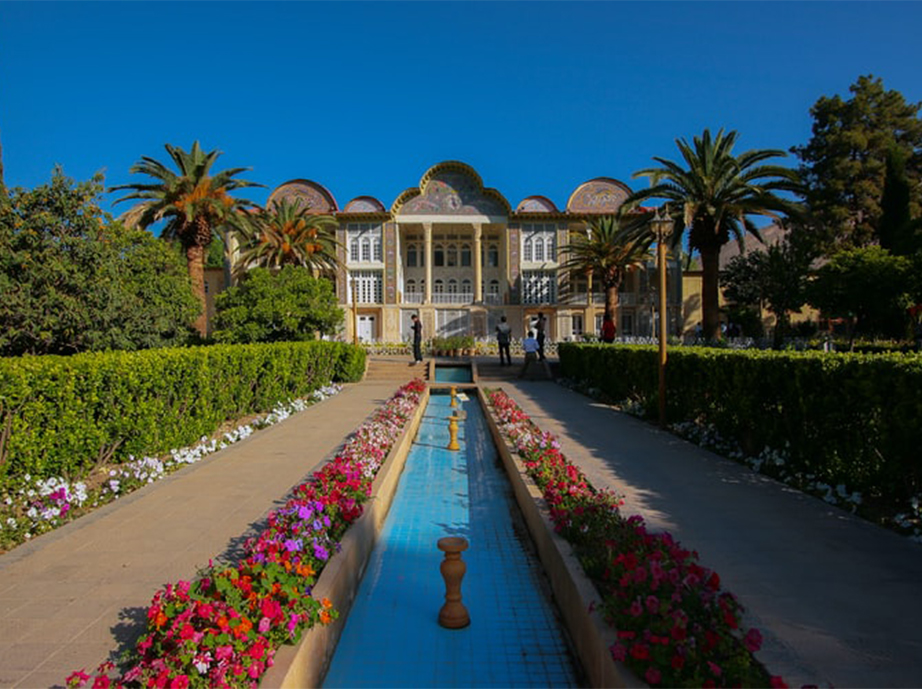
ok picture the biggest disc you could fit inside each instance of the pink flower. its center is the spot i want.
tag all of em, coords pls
(652, 604)
(715, 668)
(619, 652)
(653, 675)
(753, 640)
(636, 608)
(180, 682)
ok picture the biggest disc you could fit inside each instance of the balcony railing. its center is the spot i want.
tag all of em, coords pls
(458, 298)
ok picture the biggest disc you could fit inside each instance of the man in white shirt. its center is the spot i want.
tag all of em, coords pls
(530, 345)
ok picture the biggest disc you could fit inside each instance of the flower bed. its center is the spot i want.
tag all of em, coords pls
(31, 506)
(675, 625)
(223, 628)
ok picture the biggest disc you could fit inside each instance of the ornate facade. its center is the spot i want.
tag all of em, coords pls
(457, 254)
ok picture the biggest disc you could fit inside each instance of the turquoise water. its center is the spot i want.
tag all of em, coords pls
(453, 374)
(392, 637)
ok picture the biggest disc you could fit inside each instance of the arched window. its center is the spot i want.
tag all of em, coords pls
(465, 255)
(493, 256)
(411, 286)
(438, 287)
(354, 250)
(452, 256)
(366, 249)
(527, 252)
(376, 247)
(452, 286)
(494, 287)
(438, 255)
(411, 256)
(538, 245)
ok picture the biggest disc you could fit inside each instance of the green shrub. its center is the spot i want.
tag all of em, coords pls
(849, 419)
(62, 415)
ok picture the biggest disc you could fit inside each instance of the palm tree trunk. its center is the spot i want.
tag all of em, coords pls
(611, 302)
(195, 264)
(710, 297)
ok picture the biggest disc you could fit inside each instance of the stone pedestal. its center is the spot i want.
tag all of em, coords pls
(453, 614)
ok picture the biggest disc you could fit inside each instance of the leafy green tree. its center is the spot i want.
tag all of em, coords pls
(775, 278)
(868, 286)
(195, 203)
(844, 163)
(73, 280)
(898, 232)
(715, 193)
(276, 305)
(607, 250)
(288, 234)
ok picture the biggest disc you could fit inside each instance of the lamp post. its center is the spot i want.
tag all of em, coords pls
(662, 229)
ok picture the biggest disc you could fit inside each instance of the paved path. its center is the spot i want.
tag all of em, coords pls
(838, 600)
(71, 596)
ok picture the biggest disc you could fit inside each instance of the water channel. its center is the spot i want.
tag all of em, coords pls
(392, 637)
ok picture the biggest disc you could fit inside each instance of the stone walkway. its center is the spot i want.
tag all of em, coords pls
(837, 599)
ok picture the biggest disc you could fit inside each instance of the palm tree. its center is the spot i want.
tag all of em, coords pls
(714, 197)
(607, 251)
(195, 202)
(288, 234)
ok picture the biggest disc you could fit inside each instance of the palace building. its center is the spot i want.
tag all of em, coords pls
(460, 256)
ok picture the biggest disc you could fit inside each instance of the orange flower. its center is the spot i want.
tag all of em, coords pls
(305, 570)
(160, 621)
(326, 603)
(325, 617)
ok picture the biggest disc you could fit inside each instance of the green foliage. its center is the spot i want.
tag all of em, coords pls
(867, 284)
(65, 414)
(455, 342)
(844, 418)
(276, 306)
(844, 163)
(73, 280)
(775, 277)
(289, 234)
(607, 250)
(714, 196)
(195, 203)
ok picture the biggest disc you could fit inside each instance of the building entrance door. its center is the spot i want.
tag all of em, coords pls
(367, 331)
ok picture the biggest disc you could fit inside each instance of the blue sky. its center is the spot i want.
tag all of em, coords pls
(364, 97)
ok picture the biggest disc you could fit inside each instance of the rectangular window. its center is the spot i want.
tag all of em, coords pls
(369, 286)
(539, 287)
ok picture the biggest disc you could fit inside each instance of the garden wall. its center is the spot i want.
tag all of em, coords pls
(850, 419)
(61, 415)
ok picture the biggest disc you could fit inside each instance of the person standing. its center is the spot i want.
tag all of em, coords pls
(540, 324)
(530, 345)
(417, 340)
(608, 329)
(503, 336)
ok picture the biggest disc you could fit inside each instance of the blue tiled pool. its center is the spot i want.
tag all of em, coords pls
(453, 374)
(392, 637)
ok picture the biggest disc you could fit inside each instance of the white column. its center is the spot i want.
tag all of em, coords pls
(427, 230)
(478, 264)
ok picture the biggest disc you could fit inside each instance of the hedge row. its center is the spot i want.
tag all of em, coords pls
(62, 415)
(848, 419)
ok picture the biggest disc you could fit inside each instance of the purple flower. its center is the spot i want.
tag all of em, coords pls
(305, 512)
(293, 545)
(320, 552)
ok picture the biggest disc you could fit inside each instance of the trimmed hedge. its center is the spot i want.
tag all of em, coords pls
(63, 415)
(852, 419)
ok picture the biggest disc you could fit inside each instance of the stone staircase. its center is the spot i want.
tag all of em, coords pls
(396, 369)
